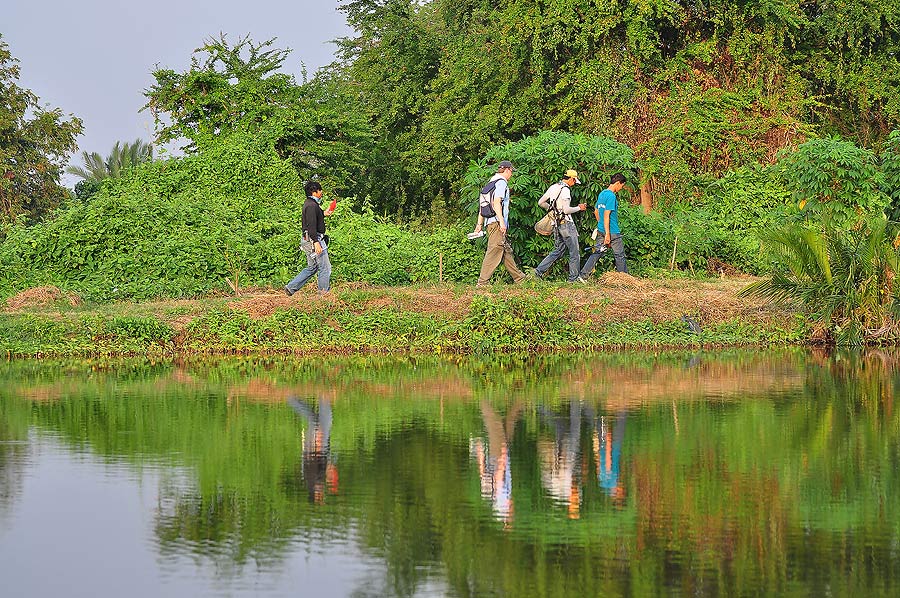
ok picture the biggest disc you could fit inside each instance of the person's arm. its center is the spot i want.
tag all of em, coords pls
(567, 207)
(544, 201)
(480, 222)
(606, 237)
(497, 204)
(310, 227)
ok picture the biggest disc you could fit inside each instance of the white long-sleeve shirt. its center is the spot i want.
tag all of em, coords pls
(563, 203)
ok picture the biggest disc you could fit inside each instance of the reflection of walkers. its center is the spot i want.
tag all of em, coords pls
(318, 463)
(608, 449)
(558, 199)
(315, 242)
(609, 234)
(560, 458)
(494, 213)
(493, 459)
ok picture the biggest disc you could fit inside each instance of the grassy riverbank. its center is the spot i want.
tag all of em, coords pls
(616, 311)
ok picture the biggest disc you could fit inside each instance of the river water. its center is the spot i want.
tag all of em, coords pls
(688, 474)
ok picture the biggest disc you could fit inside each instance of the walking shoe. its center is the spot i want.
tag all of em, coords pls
(537, 274)
(581, 280)
(288, 292)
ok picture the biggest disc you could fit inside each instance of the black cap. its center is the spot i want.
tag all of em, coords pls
(504, 165)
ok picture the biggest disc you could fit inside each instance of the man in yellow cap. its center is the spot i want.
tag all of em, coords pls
(557, 199)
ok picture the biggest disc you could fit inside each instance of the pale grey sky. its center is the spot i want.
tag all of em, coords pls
(93, 58)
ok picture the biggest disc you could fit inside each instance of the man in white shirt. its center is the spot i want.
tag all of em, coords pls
(558, 199)
(494, 213)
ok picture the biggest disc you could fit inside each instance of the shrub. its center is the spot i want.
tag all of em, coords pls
(844, 279)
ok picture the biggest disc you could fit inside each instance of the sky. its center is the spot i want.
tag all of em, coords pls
(93, 58)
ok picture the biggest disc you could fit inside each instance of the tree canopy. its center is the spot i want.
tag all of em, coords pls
(239, 88)
(34, 146)
(696, 89)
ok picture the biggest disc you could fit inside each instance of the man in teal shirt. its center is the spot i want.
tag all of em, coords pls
(609, 234)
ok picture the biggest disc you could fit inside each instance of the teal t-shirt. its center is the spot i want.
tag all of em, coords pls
(607, 201)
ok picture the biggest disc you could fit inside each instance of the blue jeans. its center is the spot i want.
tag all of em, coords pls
(565, 236)
(315, 264)
(618, 249)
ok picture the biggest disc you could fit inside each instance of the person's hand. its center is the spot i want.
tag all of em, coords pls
(477, 228)
(329, 211)
(583, 206)
(503, 228)
(318, 248)
(606, 239)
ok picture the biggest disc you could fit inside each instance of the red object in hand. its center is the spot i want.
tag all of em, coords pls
(332, 205)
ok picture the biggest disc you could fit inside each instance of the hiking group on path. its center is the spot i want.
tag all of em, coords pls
(557, 201)
(493, 214)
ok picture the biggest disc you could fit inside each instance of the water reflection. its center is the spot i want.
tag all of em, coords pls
(734, 474)
(492, 456)
(318, 462)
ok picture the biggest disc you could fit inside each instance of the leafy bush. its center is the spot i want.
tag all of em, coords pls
(890, 168)
(184, 227)
(834, 178)
(371, 249)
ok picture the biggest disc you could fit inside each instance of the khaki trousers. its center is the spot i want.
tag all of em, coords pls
(498, 249)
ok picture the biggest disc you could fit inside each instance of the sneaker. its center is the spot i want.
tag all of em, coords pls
(537, 274)
(288, 292)
(581, 280)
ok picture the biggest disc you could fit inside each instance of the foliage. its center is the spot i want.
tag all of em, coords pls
(34, 144)
(845, 279)
(835, 179)
(238, 89)
(169, 228)
(890, 169)
(519, 323)
(221, 92)
(182, 227)
(369, 248)
(696, 89)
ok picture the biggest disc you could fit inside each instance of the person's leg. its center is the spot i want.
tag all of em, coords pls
(494, 253)
(324, 279)
(618, 248)
(591, 262)
(570, 235)
(509, 261)
(559, 247)
(307, 273)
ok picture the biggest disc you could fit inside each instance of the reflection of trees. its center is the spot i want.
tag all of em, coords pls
(787, 493)
(13, 454)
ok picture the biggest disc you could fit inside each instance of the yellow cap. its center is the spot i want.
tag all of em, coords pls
(573, 174)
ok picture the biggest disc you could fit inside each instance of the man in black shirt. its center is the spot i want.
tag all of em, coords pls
(315, 242)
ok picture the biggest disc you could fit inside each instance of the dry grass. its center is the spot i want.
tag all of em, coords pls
(40, 297)
(613, 297)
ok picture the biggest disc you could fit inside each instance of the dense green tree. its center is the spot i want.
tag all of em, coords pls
(238, 88)
(34, 145)
(696, 89)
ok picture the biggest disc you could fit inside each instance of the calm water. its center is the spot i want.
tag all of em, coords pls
(736, 474)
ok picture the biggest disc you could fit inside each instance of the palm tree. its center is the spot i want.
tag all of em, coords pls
(122, 157)
(844, 278)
